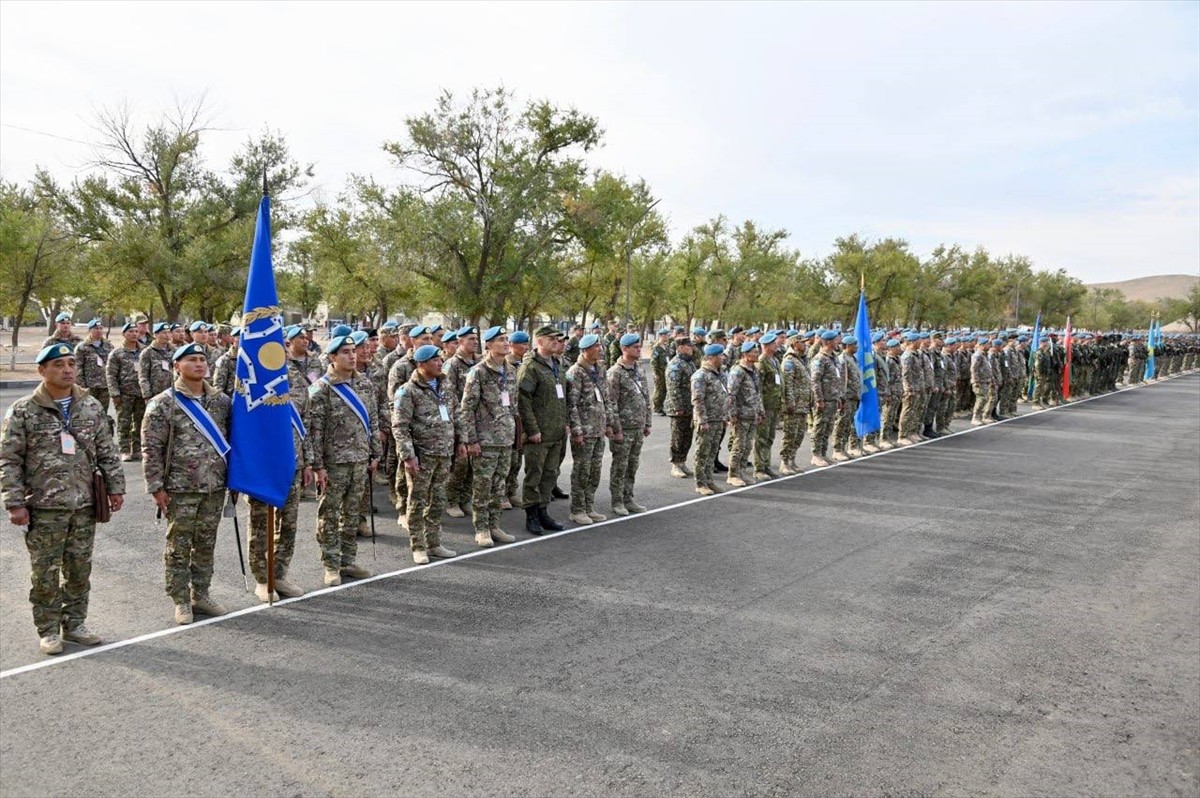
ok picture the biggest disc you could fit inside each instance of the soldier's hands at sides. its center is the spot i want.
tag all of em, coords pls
(306, 477)
(820, 406)
(577, 440)
(18, 516)
(411, 465)
(461, 450)
(618, 436)
(646, 432)
(704, 428)
(474, 450)
(322, 479)
(534, 438)
(115, 501)
(117, 403)
(608, 433)
(161, 499)
(371, 466)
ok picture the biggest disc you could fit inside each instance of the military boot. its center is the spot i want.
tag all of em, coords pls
(533, 522)
(203, 604)
(547, 522)
(500, 536)
(678, 471)
(286, 589)
(50, 644)
(332, 577)
(420, 557)
(619, 509)
(183, 614)
(633, 506)
(484, 540)
(442, 553)
(581, 518)
(260, 591)
(81, 635)
(355, 571)
(596, 517)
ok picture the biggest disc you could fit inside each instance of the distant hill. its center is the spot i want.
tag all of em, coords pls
(1159, 286)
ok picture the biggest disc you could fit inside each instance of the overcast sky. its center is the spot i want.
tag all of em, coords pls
(1068, 132)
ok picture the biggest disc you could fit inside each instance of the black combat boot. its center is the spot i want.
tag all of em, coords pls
(558, 493)
(533, 523)
(548, 523)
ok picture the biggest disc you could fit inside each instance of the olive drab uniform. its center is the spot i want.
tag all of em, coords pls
(91, 357)
(426, 424)
(826, 380)
(629, 414)
(344, 442)
(459, 488)
(542, 405)
(745, 410)
(488, 418)
(912, 386)
(678, 406)
(659, 357)
(771, 390)
(177, 457)
(514, 466)
(587, 411)
(51, 476)
(154, 371)
(121, 374)
(710, 410)
(797, 402)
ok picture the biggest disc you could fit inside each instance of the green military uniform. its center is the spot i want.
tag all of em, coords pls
(542, 405)
(770, 381)
(154, 371)
(459, 488)
(659, 357)
(91, 358)
(796, 402)
(678, 407)
(745, 412)
(826, 380)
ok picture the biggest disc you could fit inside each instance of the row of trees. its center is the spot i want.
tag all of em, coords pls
(494, 214)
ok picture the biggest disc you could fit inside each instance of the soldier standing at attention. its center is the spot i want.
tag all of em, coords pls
(345, 452)
(826, 393)
(399, 373)
(51, 442)
(488, 424)
(629, 416)
(425, 424)
(518, 347)
(981, 383)
(710, 408)
(659, 357)
(225, 370)
(587, 411)
(154, 363)
(883, 388)
(571, 351)
(845, 439)
(770, 381)
(796, 401)
(542, 404)
(121, 375)
(91, 358)
(184, 450)
(459, 489)
(745, 413)
(611, 343)
(912, 384)
(63, 333)
(679, 405)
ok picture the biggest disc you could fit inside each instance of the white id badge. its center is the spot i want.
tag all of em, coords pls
(166, 366)
(313, 376)
(599, 398)
(68, 442)
(558, 390)
(504, 400)
(445, 412)
(99, 360)
(778, 381)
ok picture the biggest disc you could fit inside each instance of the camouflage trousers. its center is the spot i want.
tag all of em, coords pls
(1136, 372)
(60, 559)
(339, 512)
(822, 427)
(708, 444)
(284, 533)
(514, 471)
(659, 399)
(1041, 391)
(742, 435)
(587, 463)
(427, 501)
(1012, 390)
(681, 438)
(459, 488)
(793, 435)
(911, 413)
(875, 438)
(932, 403)
(985, 402)
(388, 464)
(129, 424)
(400, 488)
(843, 426)
(192, 522)
(764, 439)
(490, 470)
(945, 412)
(626, 456)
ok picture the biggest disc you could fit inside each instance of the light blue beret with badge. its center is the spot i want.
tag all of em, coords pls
(62, 317)
(829, 335)
(359, 337)
(769, 338)
(629, 339)
(197, 326)
(911, 336)
(53, 352)
(699, 331)
(162, 326)
(466, 330)
(426, 352)
(849, 340)
(491, 332)
(418, 331)
(877, 336)
(588, 341)
(749, 346)
(339, 331)
(94, 323)
(450, 337)
(713, 349)
(337, 343)
(753, 331)
(893, 342)
(291, 332)
(519, 337)
(127, 326)
(188, 349)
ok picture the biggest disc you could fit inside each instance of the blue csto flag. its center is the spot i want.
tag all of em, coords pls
(262, 461)
(866, 418)
(1037, 339)
(1153, 339)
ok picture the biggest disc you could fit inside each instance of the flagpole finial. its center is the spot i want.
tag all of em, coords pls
(264, 181)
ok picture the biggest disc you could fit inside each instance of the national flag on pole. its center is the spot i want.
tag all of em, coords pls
(1151, 344)
(866, 418)
(1037, 339)
(1067, 368)
(262, 462)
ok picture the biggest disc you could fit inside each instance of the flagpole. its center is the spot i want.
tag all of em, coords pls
(270, 554)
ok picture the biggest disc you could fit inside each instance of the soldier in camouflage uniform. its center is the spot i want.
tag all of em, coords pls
(459, 489)
(827, 393)
(629, 417)
(225, 370)
(796, 401)
(678, 405)
(745, 413)
(845, 439)
(399, 373)
(183, 461)
(63, 333)
(949, 396)
(51, 442)
(982, 379)
(587, 413)
(343, 428)
(883, 387)
(91, 359)
(518, 346)
(426, 425)
(770, 384)
(121, 376)
(571, 347)
(710, 409)
(912, 386)
(154, 363)
(488, 423)
(891, 411)
(660, 356)
(369, 384)
(611, 343)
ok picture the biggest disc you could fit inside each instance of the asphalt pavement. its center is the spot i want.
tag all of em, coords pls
(1009, 611)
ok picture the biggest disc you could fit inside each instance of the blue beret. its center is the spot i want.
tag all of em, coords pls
(664, 331)
(596, 325)
(467, 330)
(749, 346)
(426, 352)
(983, 339)
(923, 336)
(1022, 338)
(450, 337)
(127, 326)
(291, 332)
(434, 328)
(53, 352)
(389, 327)
(197, 326)
(699, 331)
(417, 331)
(713, 349)
(519, 337)
(63, 317)
(810, 334)
(828, 335)
(734, 330)
(492, 332)
(877, 336)
(94, 323)
(849, 340)
(340, 330)
(188, 349)
(997, 342)
(793, 334)
(680, 328)
(951, 340)
(893, 342)
(769, 338)
(236, 332)
(162, 326)
(911, 336)
(337, 343)
(753, 330)
(588, 341)
(175, 326)
(629, 339)
(359, 337)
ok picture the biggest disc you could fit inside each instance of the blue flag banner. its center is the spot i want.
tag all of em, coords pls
(866, 418)
(1037, 339)
(262, 461)
(1151, 344)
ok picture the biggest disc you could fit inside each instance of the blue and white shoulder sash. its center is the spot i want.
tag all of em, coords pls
(203, 422)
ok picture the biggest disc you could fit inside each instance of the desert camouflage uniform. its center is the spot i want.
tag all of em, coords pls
(426, 424)
(771, 390)
(710, 411)
(459, 489)
(154, 371)
(92, 357)
(514, 467)
(826, 382)
(488, 417)
(950, 394)
(225, 372)
(629, 413)
(844, 434)
(745, 410)
(912, 387)
(883, 386)
(399, 372)
(72, 341)
(587, 412)
(121, 375)
(981, 384)
(797, 403)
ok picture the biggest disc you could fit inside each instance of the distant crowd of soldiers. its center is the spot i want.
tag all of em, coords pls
(448, 418)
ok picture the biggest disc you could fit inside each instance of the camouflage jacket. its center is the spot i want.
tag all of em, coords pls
(678, 378)
(1041, 363)
(571, 352)
(92, 358)
(72, 342)
(401, 370)
(797, 385)
(379, 358)
(425, 419)
(912, 373)
(659, 359)
(303, 372)
(225, 373)
(488, 413)
(851, 377)
(542, 401)
(390, 359)
(710, 397)
(826, 378)
(298, 393)
(1017, 370)
(193, 465)
(939, 369)
(770, 383)
(951, 382)
(335, 430)
(587, 400)
(929, 383)
(611, 346)
(154, 371)
(981, 369)
(883, 376)
(121, 373)
(455, 370)
(374, 381)
(745, 399)
(895, 375)
(628, 397)
(34, 471)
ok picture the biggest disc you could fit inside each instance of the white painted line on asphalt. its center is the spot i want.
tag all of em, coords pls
(161, 633)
